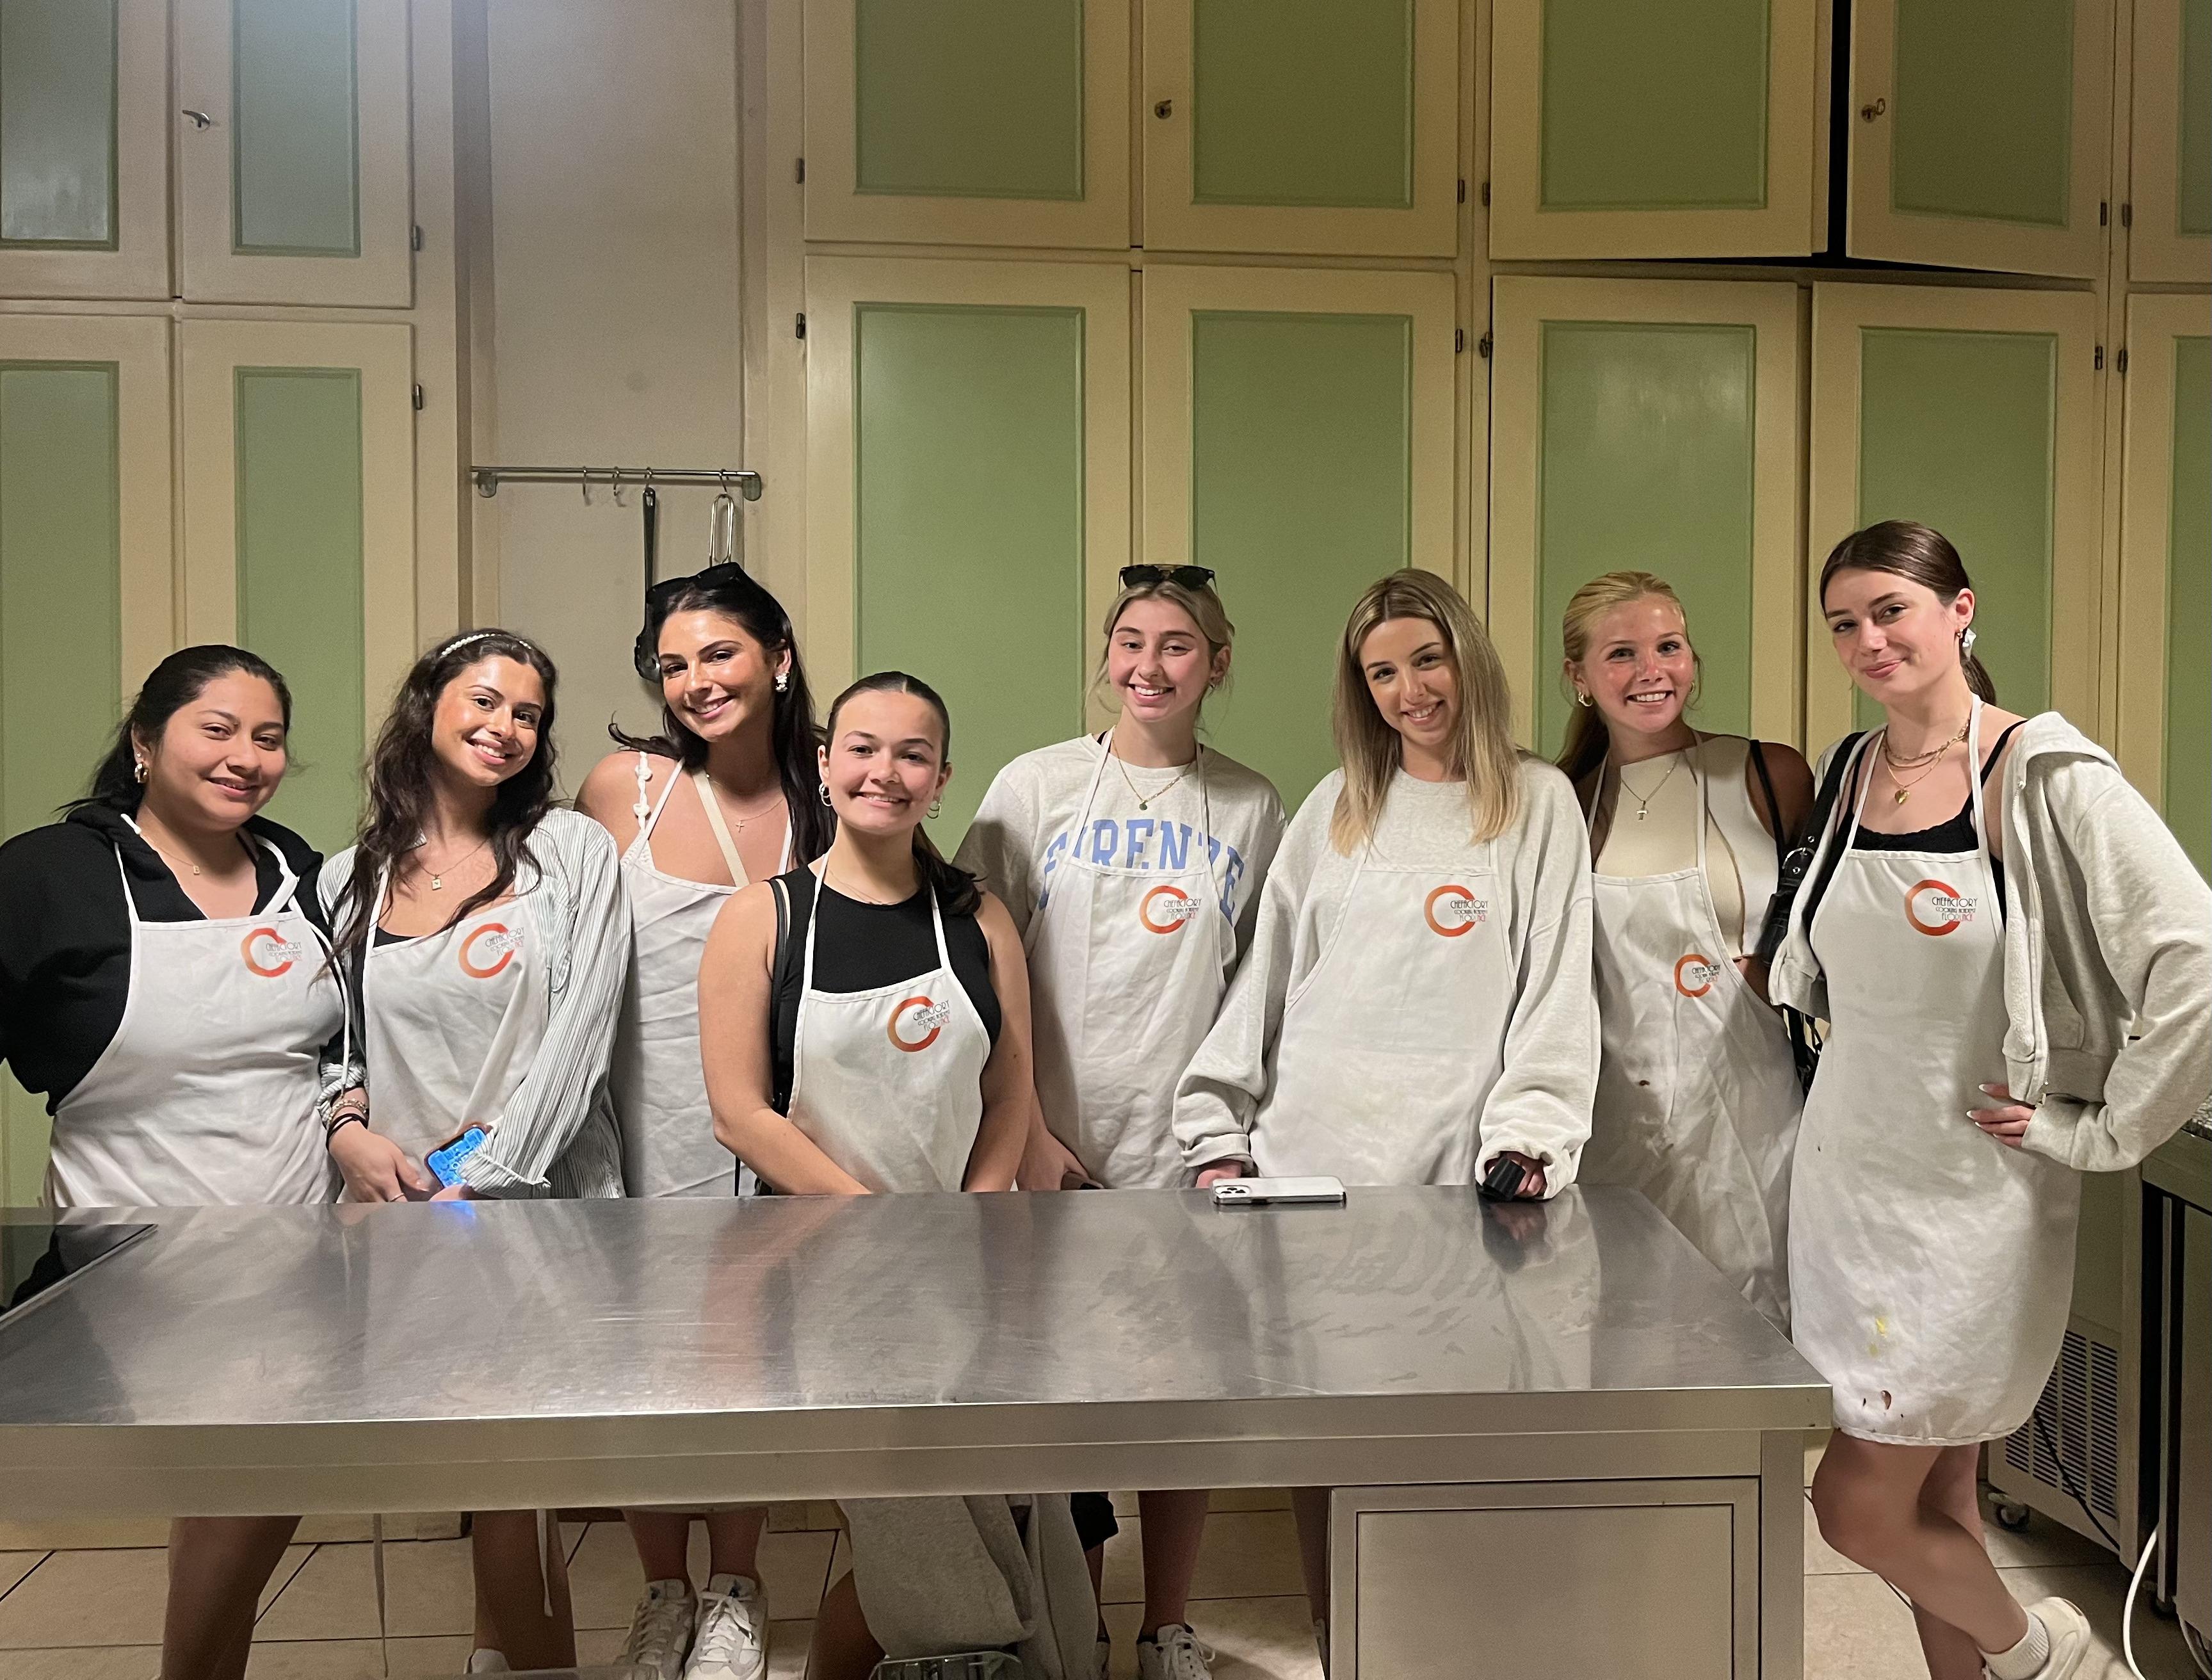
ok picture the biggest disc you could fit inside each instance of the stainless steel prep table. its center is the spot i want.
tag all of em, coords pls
(493, 1354)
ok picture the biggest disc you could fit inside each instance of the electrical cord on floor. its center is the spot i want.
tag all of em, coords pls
(2073, 1488)
(2142, 1563)
(2127, 1603)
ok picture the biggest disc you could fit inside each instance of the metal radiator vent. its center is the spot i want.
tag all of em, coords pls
(2080, 1415)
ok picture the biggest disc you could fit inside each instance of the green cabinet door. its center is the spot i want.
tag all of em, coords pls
(1979, 133)
(1595, 152)
(2169, 230)
(1302, 125)
(1298, 439)
(1974, 412)
(1648, 425)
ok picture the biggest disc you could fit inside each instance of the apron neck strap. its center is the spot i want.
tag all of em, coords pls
(704, 785)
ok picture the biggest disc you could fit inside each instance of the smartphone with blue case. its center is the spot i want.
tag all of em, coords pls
(445, 1161)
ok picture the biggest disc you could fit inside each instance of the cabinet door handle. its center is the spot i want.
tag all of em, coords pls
(199, 119)
(1868, 112)
(1164, 109)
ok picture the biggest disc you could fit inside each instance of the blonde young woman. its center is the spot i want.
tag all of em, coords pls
(1416, 1004)
(1698, 1094)
(2015, 960)
(1132, 862)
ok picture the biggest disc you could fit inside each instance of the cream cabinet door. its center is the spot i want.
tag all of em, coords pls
(1975, 412)
(84, 149)
(299, 532)
(1692, 128)
(292, 144)
(2165, 565)
(1980, 133)
(1304, 126)
(1298, 439)
(969, 122)
(2170, 163)
(1652, 426)
(967, 490)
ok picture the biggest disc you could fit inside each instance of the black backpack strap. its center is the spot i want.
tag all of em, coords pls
(1832, 787)
(1797, 859)
(778, 973)
(1773, 805)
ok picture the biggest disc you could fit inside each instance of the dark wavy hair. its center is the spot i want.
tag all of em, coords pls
(1903, 549)
(955, 887)
(727, 590)
(169, 687)
(399, 772)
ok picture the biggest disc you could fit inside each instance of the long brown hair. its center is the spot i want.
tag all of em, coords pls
(1369, 748)
(399, 771)
(954, 887)
(1903, 548)
(1587, 741)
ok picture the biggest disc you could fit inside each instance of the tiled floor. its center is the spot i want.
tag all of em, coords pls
(95, 1615)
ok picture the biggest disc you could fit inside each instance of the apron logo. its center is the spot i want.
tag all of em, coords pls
(928, 1019)
(1936, 908)
(1451, 910)
(269, 953)
(1166, 909)
(493, 941)
(1695, 973)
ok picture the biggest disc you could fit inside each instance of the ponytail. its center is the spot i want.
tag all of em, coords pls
(1586, 744)
(954, 888)
(1977, 675)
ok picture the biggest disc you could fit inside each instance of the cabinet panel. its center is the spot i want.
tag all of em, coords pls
(1302, 125)
(1298, 439)
(1974, 412)
(1979, 133)
(974, 122)
(294, 176)
(2170, 178)
(299, 532)
(1594, 153)
(83, 149)
(85, 580)
(968, 485)
(2165, 565)
(1649, 424)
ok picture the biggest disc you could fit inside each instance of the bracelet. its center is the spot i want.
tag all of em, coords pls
(340, 1124)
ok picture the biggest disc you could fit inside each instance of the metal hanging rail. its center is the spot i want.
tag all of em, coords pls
(746, 482)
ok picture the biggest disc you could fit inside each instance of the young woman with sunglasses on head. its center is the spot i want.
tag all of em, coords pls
(1698, 1094)
(1132, 863)
(2014, 958)
(164, 983)
(723, 796)
(1416, 1006)
(492, 938)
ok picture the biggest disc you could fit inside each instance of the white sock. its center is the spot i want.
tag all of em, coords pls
(2025, 1660)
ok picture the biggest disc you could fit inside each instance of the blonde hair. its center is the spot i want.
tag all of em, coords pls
(1587, 742)
(1369, 747)
(1203, 605)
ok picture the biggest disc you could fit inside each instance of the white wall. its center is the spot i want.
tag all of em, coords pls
(613, 329)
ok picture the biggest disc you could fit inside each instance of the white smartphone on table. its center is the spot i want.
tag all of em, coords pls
(1274, 1192)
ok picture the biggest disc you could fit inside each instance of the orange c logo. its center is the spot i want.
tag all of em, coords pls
(1694, 974)
(1179, 909)
(1454, 901)
(494, 936)
(1949, 908)
(283, 950)
(931, 1016)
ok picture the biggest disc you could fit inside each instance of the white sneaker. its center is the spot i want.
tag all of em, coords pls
(488, 1662)
(1174, 1653)
(2070, 1637)
(731, 1642)
(660, 1630)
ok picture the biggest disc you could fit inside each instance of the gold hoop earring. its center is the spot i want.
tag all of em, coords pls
(138, 770)
(1582, 698)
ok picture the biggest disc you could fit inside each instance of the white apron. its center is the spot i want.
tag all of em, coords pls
(1932, 1266)
(888, 1083)
(1127, 970)
(1388, 1049)
(1697, 1097)
(452, 1021)
(206, 1094)
(660, 1086)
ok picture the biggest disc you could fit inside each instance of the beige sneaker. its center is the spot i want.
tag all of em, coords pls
(2070, 1637)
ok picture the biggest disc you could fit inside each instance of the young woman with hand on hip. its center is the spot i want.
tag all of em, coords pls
(491, 937)
(164, 983)
(1697, 1094)
(1132, 863)
(1416, 1005)
(2015, 960)
(722, 797)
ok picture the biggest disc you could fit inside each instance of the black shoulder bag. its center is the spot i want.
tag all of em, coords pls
(1792, 864)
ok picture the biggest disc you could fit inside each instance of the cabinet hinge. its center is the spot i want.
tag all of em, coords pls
(2120, 362)
(2103, 212)
(2127, 216)
(798, 174)
(1486, 195)
(1462, 192)
(2100, 358)
(418, 398)
(799, 332)
(415, 237)
(1459, 341)
(1482, 346)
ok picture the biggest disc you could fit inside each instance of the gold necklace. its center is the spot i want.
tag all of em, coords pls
(1931, 759)
(1643, 800)
(172, 860)
(438, 877)
(848, 891)
(1144, 802)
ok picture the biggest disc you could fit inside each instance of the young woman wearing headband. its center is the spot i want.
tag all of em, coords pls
(165, 984)
(723, 796)
(1416, 1006)
(1132, 862)
(1698, 1094)
(490, 935)
(2015, 960)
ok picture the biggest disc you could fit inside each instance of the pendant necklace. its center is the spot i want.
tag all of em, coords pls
(1144, 800)
(438, 877)
(1643, 800)
(1931, 759)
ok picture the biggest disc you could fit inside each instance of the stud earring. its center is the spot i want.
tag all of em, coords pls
(783, 682)
(822, 788)
(1965, 641)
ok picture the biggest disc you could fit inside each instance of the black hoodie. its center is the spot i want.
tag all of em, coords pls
(65, 937)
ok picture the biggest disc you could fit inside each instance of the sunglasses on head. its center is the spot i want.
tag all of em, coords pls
(1190, 577)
